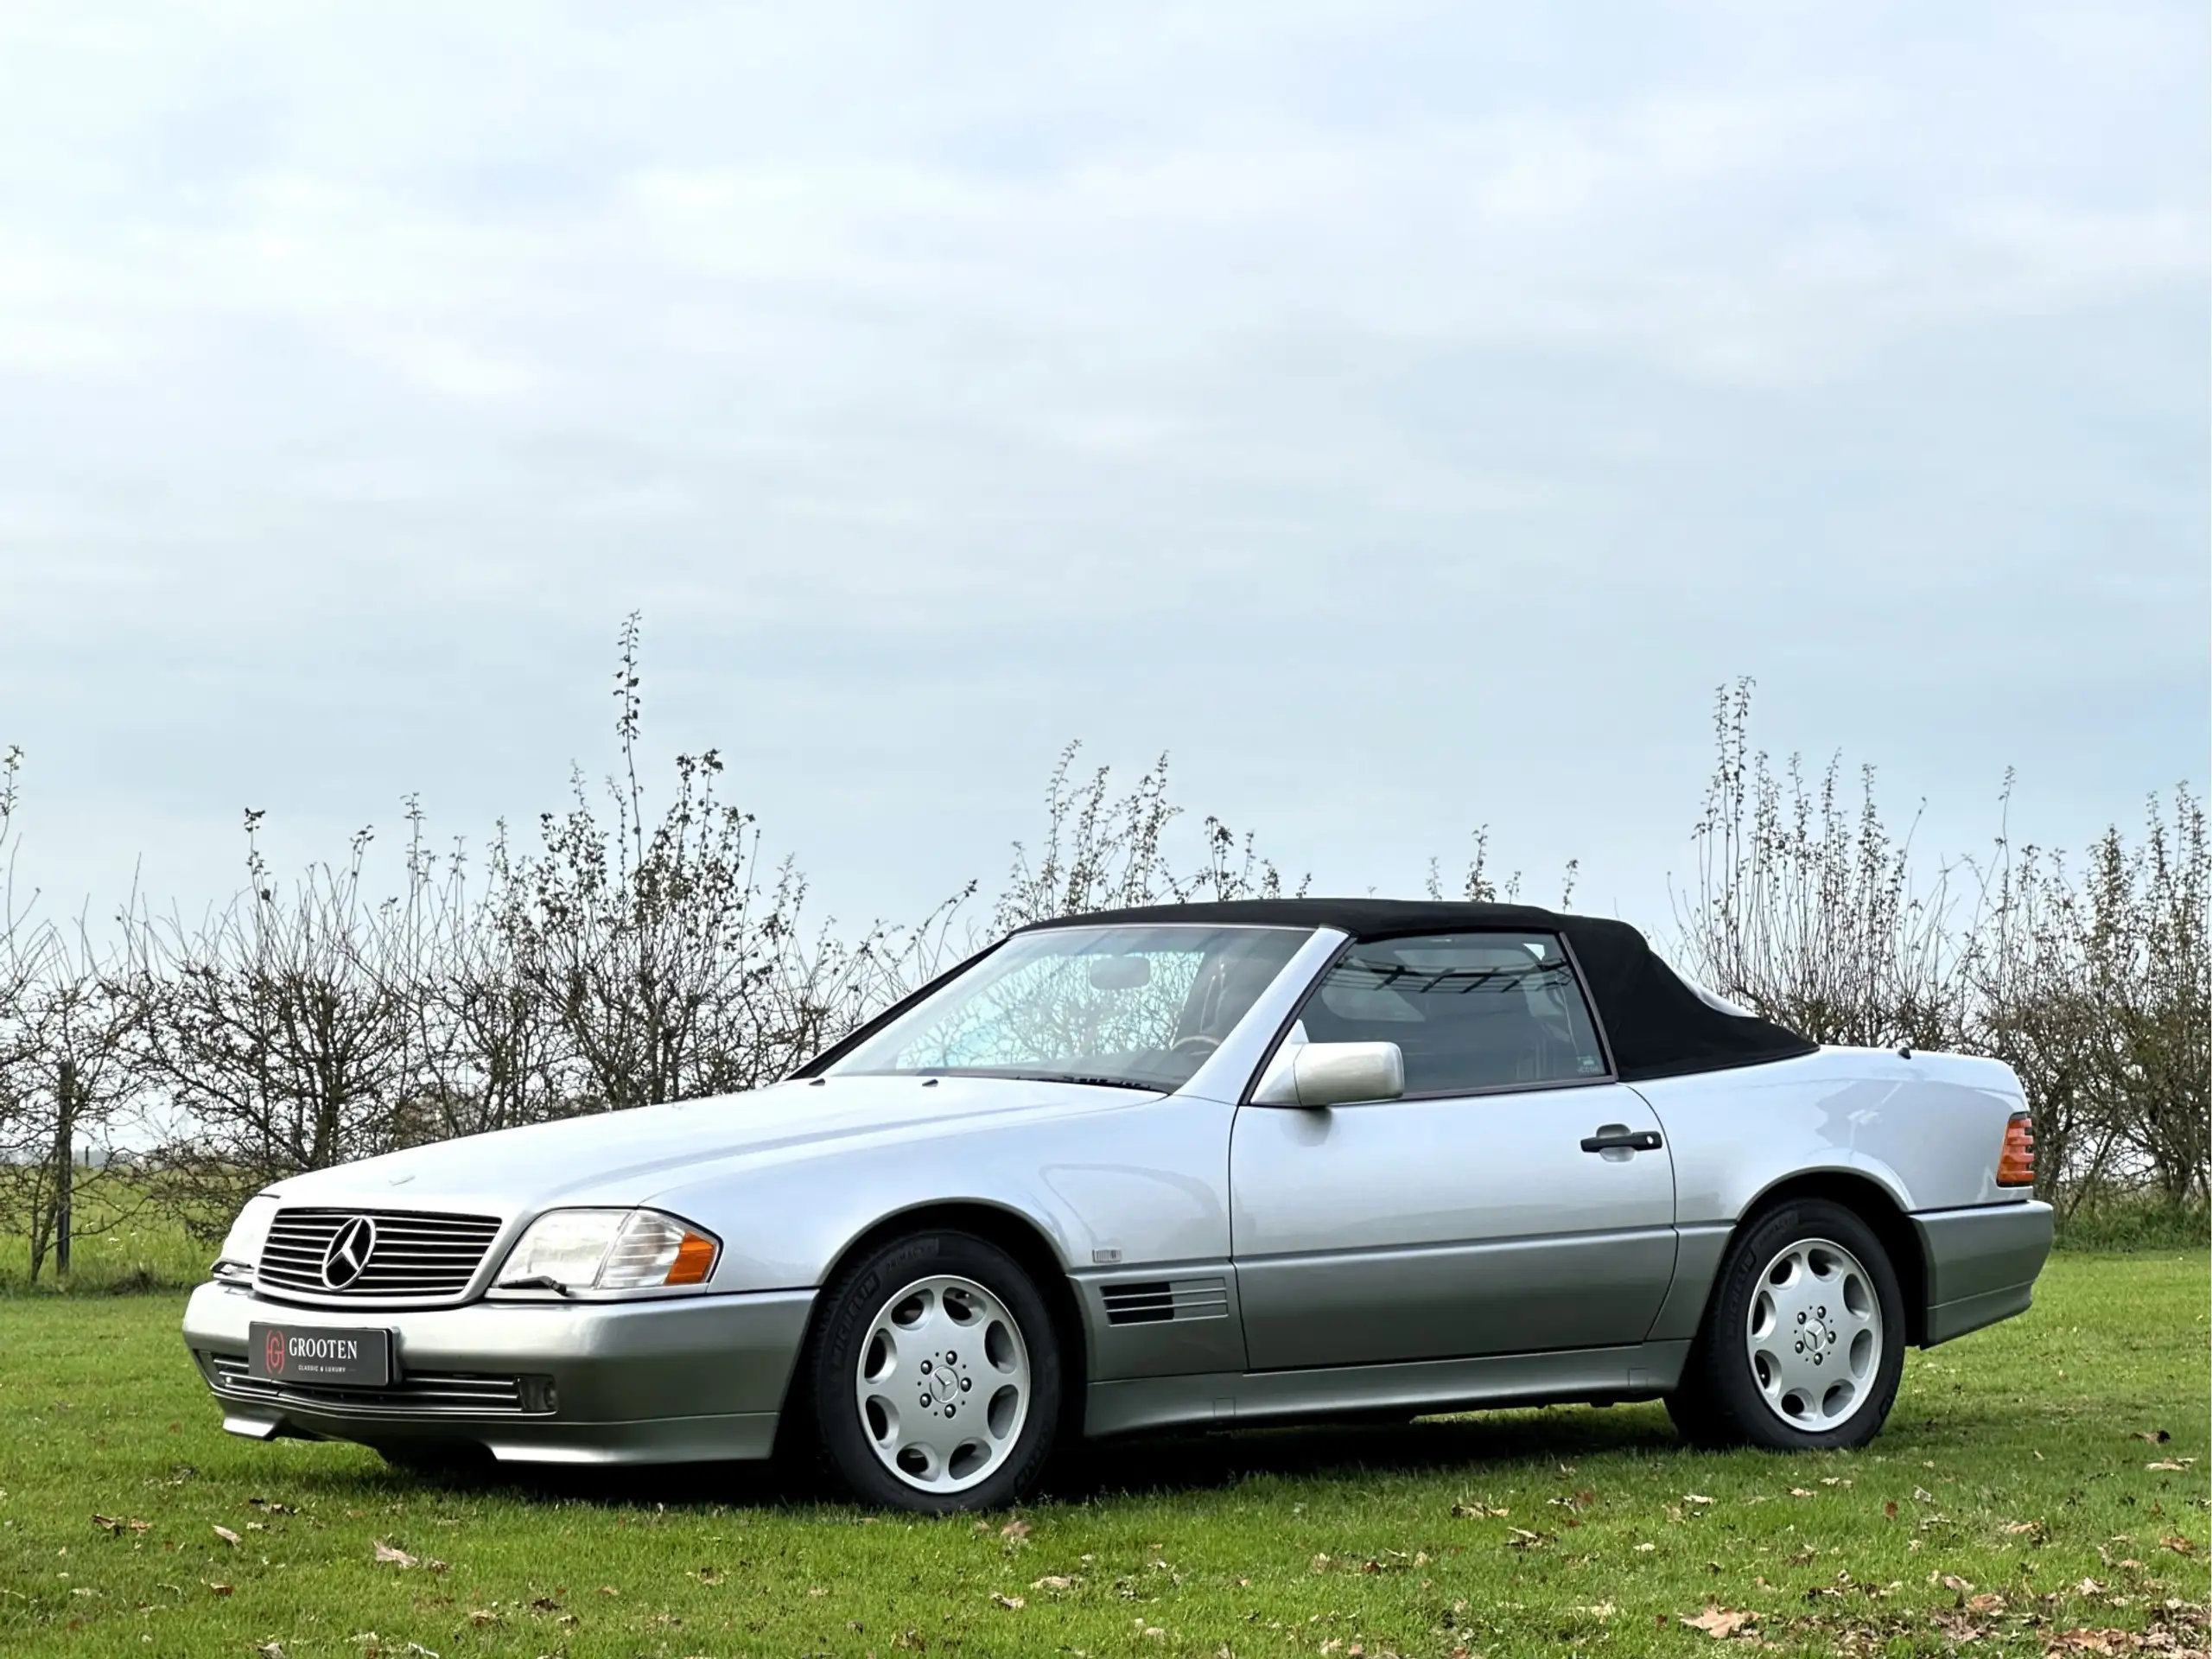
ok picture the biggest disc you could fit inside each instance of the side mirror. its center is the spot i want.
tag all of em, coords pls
(1331, 1074)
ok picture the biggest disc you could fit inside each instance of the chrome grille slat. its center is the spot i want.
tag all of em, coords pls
(418, 1254)
(415, 1393)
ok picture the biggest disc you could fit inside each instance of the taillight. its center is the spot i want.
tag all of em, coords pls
(2016, 1164)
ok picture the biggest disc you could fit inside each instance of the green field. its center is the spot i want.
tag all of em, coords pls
(2012, 1502)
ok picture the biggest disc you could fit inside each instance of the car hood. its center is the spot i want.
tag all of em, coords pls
(628, 1157)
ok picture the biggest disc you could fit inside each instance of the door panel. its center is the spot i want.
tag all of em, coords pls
(1447, 1227)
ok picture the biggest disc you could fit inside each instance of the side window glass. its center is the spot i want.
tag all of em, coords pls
(1468, 1010)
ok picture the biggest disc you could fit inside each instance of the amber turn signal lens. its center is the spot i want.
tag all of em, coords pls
(2016, 1165)
(695, 1260)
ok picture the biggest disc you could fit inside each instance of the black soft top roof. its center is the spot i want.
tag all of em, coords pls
(1656, 1025)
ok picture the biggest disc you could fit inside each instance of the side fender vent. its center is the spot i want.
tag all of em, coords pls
(1156, 1301)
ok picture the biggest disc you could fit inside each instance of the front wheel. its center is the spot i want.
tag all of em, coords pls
(935, 1376)
(1803, 1340)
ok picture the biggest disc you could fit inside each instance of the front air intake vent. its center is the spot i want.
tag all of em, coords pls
(1155, 1301)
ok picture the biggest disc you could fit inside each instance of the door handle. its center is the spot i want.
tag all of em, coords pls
(1618, 1137)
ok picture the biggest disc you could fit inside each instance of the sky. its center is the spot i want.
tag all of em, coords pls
(1406, 417)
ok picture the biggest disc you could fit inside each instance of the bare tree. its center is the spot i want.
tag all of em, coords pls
(277, 1030)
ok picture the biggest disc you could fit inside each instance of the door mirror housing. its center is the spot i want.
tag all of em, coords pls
(1331, 1074)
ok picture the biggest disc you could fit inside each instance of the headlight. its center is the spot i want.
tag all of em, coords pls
(575, 1250)
(241, 1251)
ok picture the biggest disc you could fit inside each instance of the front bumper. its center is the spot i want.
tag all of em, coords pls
(686, 1379)
(1982, 1263)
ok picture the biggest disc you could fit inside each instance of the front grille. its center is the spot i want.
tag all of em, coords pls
(417, 1393)
(417, 1253)
(1159, 1300)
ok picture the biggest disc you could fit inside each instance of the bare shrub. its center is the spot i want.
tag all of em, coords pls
(2093, 984)
(668, 960)
(1478, 886)
(2096, 989)
(1805, 908)
(631, 953)
(1103, 852)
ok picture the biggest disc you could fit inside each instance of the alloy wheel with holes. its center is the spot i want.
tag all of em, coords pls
(1802, 1344)
(935, 1375)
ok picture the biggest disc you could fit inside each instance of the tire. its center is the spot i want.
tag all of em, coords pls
(933, 1378)
(1803, 1340)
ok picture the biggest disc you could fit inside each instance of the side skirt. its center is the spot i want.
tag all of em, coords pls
(1223, 1397)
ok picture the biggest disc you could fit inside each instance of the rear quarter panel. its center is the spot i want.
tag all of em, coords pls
(1926, 1128)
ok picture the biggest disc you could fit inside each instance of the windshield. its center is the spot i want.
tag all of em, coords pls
(1140, 1007)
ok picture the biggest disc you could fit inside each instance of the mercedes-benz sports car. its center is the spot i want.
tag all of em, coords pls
(1206, 1164)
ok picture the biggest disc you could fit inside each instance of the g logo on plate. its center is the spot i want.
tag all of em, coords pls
(272, 1352)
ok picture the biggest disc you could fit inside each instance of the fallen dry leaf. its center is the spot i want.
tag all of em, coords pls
(387, 1555)
(2177, 1464)
(1989, 1602)
(1015, 1530)
(1953, 1581)
(1012, 1604)
(1719, 1622)
(271, 1651)
(1478, 1510)
(1053, 1581)
(2179, 1545)
(2156, 1436)
(1801, 1491)
(220, 1589)
(1695, 1497)
(227, 1536)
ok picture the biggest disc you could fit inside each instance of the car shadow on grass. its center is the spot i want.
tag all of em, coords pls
(1137, 1465)
(1357, 1452)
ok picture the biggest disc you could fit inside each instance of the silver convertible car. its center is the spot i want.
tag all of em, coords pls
(1197, 1165)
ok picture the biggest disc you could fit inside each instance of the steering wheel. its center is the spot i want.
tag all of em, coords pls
(1194, 1045)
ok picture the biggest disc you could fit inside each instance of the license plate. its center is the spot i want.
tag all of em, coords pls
(324, 1355)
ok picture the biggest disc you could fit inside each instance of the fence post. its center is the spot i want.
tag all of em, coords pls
(65, 1164)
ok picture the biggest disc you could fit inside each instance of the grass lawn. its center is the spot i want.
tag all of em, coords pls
(2010, 1503)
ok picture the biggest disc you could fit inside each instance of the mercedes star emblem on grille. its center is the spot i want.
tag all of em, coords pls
(349, 1252)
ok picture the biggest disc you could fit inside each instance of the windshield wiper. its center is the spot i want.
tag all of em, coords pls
(1056, 1076)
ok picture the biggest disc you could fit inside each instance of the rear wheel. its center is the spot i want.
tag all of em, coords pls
(935, 1375)
(1803, 1340)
